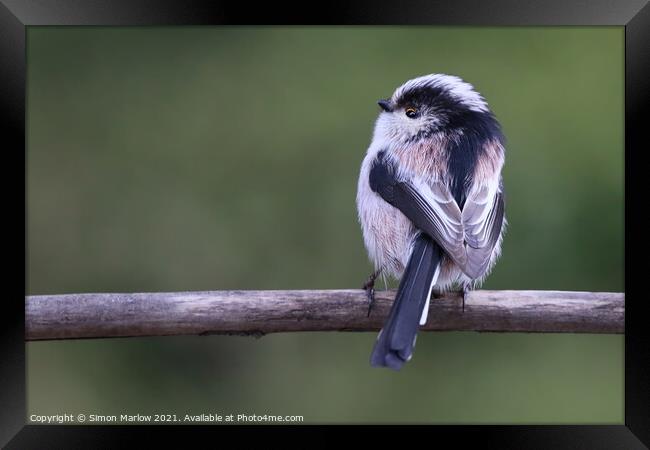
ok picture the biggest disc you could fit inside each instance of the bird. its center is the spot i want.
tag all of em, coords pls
(430, 201)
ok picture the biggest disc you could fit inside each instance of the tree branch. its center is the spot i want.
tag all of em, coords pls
(259, 312)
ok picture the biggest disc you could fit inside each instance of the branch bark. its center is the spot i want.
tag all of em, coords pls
(260, 312)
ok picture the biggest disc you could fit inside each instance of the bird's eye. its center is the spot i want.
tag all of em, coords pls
(411, 112)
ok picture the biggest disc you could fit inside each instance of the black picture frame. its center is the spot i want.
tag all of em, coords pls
(634, 15)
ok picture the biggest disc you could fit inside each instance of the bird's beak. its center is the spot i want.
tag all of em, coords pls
(385, 105)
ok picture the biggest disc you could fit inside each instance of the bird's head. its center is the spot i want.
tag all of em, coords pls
(427, 105)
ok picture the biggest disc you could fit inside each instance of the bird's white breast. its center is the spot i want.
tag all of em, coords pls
(387, 233)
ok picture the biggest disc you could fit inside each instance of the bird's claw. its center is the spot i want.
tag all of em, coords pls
(464, 294)
(369, 287)
(370, 293)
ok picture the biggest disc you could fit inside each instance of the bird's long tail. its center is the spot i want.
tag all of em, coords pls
(396, 340)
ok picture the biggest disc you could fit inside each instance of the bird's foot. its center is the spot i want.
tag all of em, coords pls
(369, 287)
(464, 293)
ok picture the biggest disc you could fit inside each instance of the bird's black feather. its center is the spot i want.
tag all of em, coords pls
(444, 227)
(396, 341)
(473, 130)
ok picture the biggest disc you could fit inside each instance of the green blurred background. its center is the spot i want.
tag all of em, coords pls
(206, 158)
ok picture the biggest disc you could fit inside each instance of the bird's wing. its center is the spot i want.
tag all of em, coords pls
(482, 219)
(429, 206)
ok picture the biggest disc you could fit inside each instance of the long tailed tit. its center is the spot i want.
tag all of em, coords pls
(430, 200)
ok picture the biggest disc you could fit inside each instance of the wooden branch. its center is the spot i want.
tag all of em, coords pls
(260, 312)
